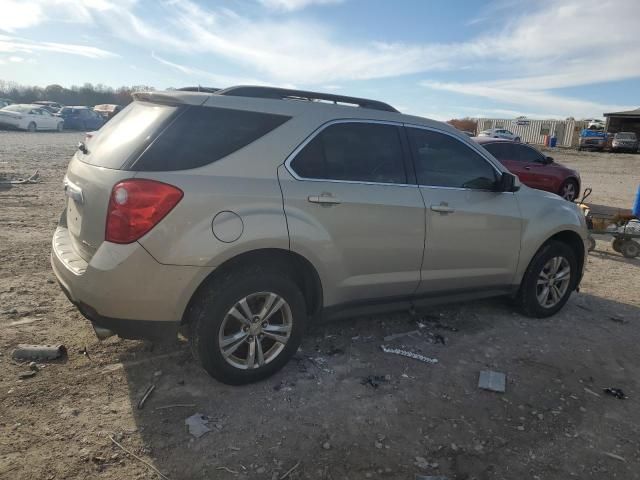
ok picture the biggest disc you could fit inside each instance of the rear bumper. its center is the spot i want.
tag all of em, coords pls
(124, 289)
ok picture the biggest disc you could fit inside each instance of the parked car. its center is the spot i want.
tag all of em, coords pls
(590, 139)
(53, 107)
(243, 215)
(5, 102)
(107, 111)
(533, 168)
(29, 117)
(80, 118)
(625, 142)
(499, 133)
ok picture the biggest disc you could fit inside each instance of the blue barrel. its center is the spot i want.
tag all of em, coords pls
(636, 205)
(553, 141)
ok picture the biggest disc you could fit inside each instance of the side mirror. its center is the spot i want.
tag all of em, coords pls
(508, 182)
(547, 160)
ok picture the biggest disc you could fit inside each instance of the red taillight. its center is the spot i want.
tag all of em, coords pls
(136, 206)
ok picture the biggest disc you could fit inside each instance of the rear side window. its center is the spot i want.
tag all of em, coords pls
(202, 135)
(361, 152)
(443, 161)
(528, 154)
(503, 151)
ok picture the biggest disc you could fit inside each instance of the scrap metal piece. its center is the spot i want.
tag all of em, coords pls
(38, 352)
(146, 394)
(493, 381)
(405, 353)
(32, 179)
(198, 424)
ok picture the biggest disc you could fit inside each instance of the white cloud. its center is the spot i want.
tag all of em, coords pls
(17, 14)
(220, 81)
(10, 44)
(15, 59)
(291, 5)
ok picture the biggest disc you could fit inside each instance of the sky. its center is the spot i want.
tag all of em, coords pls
(440, 59)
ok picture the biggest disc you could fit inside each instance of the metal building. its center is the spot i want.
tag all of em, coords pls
(628, 121)
(534, 131)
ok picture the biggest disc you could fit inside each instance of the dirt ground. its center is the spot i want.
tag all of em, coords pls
(319, 418)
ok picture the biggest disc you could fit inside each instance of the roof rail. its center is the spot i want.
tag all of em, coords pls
(198, 89)
(285, 93)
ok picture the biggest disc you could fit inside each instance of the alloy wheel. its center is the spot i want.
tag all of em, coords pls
(255, 330)
(569, 191)
(553, 282)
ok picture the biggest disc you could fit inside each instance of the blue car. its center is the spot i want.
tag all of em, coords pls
(80, 118)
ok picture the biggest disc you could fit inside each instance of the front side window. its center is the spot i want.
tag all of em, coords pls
(528, 154)
(443, 161)
(358, 151)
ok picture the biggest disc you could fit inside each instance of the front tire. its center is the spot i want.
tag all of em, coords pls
(246, 324)
(549, 280)
(59, 127)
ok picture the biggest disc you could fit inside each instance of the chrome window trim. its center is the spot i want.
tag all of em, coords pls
(317, 131)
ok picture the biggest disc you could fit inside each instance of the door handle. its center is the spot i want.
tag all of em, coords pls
(442, 208)
(324, 199)
(527, 168)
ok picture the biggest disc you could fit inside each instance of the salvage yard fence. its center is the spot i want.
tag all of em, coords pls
(567, 132)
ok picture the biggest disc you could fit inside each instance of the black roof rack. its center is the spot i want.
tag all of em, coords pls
(285, 93)
(199, 89)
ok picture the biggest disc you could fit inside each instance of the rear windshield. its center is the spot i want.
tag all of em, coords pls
(202, 135)
(626, 136)
(126, 135)
(18, 108)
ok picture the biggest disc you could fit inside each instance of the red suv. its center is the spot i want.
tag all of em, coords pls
(533, 168)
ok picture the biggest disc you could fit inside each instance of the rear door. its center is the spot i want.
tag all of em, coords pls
(473, 232)
(353, 209)
(540, 174)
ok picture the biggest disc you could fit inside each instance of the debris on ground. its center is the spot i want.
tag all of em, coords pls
(198, 424)
(429, 477)
(493, 381)
(85, 352)
(176, 405)
(27, 374)
(422, 462)
(32, 179)
(145, 395)
(375, 380)
(394, 336)
(139, 459)
(290, 471)
(38, 352)
(33, 366)
(618, 319)
(435, 322)
(615, 392)
(614, 456)
(405, 353)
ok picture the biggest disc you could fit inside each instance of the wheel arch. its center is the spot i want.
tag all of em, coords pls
(298, 267)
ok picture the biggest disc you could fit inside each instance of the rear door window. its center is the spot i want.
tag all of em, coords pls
(503, 151)
(528, 154)
(444, 161)
(359, 152)
(202, 135)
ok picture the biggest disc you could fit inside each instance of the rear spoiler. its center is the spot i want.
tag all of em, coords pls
(170, 98)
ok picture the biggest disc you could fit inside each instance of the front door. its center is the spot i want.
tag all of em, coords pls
(473, 232)
(351, 211)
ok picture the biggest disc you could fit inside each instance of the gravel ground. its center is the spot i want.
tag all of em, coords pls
(342, 409)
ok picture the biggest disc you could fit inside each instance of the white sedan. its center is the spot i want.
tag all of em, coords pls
(30, 118)
(499, 133)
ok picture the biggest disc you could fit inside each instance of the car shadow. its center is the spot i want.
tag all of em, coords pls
(343, 408)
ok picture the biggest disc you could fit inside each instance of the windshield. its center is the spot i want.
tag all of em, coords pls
(18, 108)
(626, 136)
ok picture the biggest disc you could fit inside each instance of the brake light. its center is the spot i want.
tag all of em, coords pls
(136, 206)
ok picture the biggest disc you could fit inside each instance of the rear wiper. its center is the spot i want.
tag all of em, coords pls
(83, 148)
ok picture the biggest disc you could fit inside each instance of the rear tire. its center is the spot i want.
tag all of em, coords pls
(592, 244)
(569, 190)
(32, 127)
(213, 327)
(532, 298)
(616, 244)
(517, 139)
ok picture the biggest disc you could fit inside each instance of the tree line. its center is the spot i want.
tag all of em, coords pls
(87, 94)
